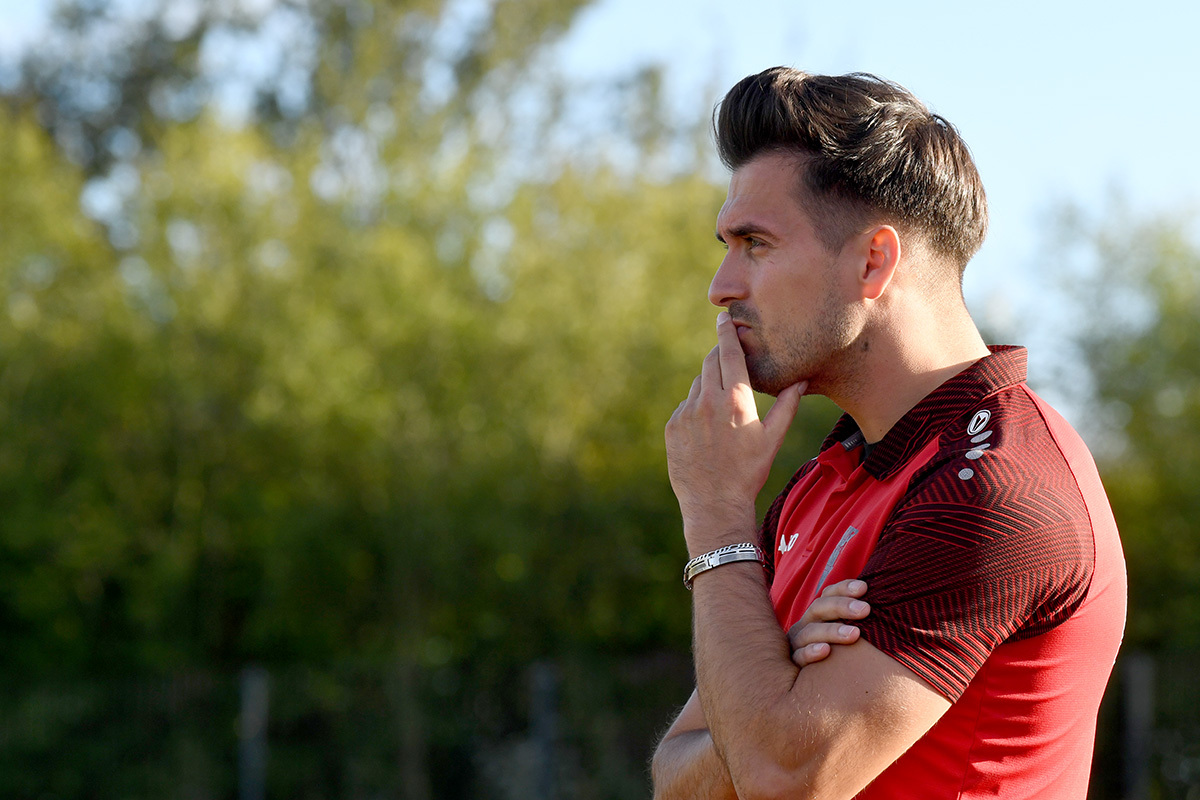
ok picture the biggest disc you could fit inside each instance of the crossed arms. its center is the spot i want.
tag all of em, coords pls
(758, 725)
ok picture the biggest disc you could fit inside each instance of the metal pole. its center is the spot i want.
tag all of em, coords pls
(252, 733)
(414, 770)
(1137, 683)
(544, 722)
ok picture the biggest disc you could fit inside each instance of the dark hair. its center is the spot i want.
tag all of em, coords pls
(870, 151)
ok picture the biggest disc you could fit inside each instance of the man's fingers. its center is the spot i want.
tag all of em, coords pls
(694, 392)
(812, 643)
(855, 609)
(830, 609)
(810, 654)
(733, 358)
(851, 587)
(830, 632)
(710, 371)
(780, 417)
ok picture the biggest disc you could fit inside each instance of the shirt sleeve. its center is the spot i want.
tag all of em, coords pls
(974, 556)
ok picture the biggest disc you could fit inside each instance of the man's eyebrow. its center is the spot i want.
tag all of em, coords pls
(743, 231)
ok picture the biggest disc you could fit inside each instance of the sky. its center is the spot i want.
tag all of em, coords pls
(1060, 102)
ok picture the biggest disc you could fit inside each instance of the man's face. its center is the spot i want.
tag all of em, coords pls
(791, 299)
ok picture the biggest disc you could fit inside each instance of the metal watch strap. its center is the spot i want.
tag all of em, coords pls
(745, 551)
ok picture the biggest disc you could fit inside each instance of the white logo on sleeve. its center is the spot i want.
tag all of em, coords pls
(979, 438)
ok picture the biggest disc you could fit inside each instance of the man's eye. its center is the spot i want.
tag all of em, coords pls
(752, 243)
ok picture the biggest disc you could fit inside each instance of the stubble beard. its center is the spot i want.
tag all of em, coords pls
(817, 353)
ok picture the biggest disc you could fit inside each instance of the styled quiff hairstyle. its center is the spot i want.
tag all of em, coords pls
(869, 152)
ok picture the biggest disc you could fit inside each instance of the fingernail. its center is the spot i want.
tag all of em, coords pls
(857, 586)
(723, 317)
(858, 605)
(845, 630)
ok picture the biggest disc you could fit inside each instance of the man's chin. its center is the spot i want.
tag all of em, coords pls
(767, 381)
(768, 384)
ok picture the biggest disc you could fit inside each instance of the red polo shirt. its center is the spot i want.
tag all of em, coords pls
(994, 572)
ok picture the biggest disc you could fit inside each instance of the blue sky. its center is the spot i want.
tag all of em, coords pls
(1059, 101)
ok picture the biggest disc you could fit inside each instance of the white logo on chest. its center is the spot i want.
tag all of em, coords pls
(791, 542)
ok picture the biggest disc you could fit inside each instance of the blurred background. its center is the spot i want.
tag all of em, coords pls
(337, 338)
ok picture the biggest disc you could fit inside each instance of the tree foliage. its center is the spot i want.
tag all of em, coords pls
(330, 338)
(372, 372)
(1137, 295)
(352, 379)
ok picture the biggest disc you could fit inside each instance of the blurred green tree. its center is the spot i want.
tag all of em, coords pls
(1135, 304)
(373, 371)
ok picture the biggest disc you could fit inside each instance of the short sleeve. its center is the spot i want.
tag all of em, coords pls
(978, 553)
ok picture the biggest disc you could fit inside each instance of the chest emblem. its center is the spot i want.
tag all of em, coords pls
(791, 542)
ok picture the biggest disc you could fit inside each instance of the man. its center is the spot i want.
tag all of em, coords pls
(966, 508)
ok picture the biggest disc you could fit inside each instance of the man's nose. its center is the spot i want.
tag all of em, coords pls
(728, 284)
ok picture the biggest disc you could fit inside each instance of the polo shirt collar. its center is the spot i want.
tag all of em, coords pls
(950, 403)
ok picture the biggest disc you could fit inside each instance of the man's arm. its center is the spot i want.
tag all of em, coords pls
(827, 730)
(686, 764)
(824, 731)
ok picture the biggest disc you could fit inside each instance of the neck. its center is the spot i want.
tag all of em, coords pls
(901, 361)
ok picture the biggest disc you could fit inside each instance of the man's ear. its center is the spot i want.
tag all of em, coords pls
(882, 259)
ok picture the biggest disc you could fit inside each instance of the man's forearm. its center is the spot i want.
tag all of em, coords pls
(686, 766)
(745, 674)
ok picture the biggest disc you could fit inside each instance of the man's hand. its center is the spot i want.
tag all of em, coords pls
(821, 626)
(685, 759)
(718, 451)
(685, 763)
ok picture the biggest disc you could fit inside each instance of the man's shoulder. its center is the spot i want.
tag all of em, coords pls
(1001, 500)
(1008, 451)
